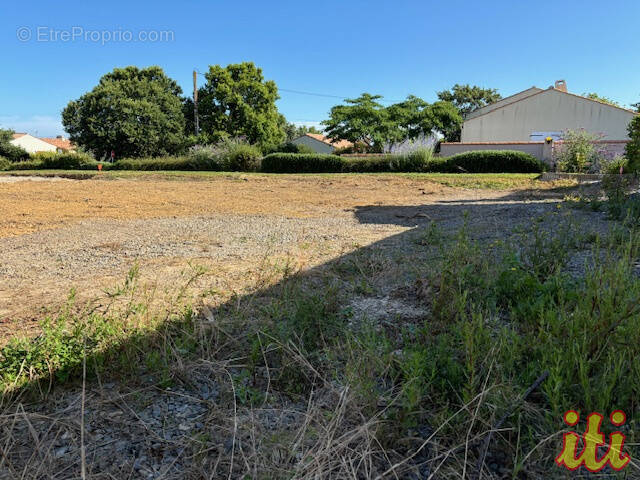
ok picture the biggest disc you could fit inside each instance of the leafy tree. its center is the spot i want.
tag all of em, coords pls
(363, 120)
(237, 102)
(467, 98)
(595, 96)
(8, 150)
(414, 118)
(632, 150)
(134, 112)
(294, 131)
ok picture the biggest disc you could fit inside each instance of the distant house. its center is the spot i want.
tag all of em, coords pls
(34, 144)
(525, 120)
(321, 144)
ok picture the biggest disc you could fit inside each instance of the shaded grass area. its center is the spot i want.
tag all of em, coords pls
(407, 392)
(490, 181)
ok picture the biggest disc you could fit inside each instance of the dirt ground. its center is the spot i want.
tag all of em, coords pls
(60, 234)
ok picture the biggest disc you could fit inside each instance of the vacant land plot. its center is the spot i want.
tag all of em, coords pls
(321, 326)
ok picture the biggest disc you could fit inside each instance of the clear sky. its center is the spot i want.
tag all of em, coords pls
(341, 48)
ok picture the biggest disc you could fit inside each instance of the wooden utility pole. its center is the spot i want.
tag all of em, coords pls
(195, 101)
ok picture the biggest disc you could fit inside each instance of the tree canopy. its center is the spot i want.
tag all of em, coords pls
(467, 98)
(364, 120)
(132, 111)
(8, 150)
(595, 96)
(237, 101)
(632, 149)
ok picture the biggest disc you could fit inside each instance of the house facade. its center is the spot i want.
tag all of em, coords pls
(321, 144)
(528, 118)
(535, 114)
(33, 144)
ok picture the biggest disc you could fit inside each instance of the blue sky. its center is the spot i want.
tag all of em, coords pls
(335, 47)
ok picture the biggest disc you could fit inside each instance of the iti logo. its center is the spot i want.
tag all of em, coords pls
(592, 439)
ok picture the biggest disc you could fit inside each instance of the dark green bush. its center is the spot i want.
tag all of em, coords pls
(241, 157)
(290, 147)
(26, 165)
(301, 163)
(165, 163)
(4, 164)
(12, 152)
(488, 161)
(64, 161)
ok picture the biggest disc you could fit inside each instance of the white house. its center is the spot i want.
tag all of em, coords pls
(320, 144)
(525, 120)
(534, 114)
(34, 144)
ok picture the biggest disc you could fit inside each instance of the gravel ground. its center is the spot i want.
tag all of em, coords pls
(143, 432)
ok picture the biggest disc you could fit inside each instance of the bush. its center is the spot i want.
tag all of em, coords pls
(13, 153)
(240, 157)
(64, 161)
(160, 163)
(577, 153)
(290, 147)
(632, 150)
(487, 161)
(614, 165)
(4, 164)
(301, 163)
(205, 157)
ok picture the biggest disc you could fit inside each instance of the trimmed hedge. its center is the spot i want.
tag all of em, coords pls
(488, 161)
(165, 163)
(301, 163)
(57, 161)
(484, 161)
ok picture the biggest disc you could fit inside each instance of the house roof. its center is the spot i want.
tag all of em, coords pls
(59, 142)
(536, 91)
(18, 135)
(328, 141)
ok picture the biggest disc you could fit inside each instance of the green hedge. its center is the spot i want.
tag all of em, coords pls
(57, 161)
(5, 164)
(301, 163)
(486, 161)
(165, 163)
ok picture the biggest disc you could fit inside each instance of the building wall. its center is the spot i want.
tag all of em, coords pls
(33, 144)
(532, 148)
(547, 111)
(316, 145)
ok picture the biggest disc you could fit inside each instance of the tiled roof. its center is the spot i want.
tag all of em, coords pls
(61, 143)
(328, 141)
(18, 135)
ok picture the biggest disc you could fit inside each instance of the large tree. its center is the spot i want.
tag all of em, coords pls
(237, 101)
(9, 150)
(364, 120)
(132, 111)
(467, 98)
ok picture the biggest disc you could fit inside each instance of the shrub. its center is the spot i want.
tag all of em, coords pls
(614, 165)
(240, 156)
(9, 151)
(301, 163)
(64, 161)
(577, 153)
(205, 157)
(416, 161)
(156, 163)
(290, 147)
(487, 161)
(27, 165)
(632, 150)
(4, 164)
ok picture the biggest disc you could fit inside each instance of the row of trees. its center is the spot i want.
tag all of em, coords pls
(142, 112)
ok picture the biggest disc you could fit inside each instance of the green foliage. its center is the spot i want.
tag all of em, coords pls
(577, 153)
(290, 147)
(632, 150)
(237, 101)
(422, 160)
(301, 163)
(595, 96)
(364, 121)
(488, 161)
(134, 112)
(240, 157)
(294, 131)
(4, 164)
(188, 163)
(11, 152)
(65, 161)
